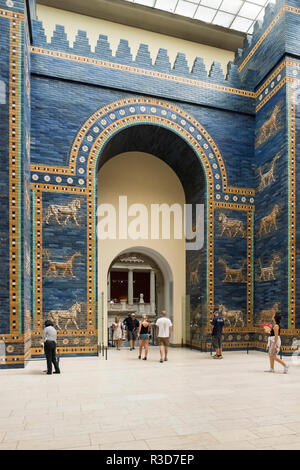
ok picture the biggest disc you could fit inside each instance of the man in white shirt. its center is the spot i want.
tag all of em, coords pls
(50, 338)
(163, 334)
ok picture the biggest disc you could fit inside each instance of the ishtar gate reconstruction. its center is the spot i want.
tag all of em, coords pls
(91, 116)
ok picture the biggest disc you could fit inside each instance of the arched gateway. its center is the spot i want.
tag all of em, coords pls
(141, 125)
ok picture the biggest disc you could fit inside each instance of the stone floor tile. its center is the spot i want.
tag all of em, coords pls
(273, 430)
(207, 404)
(8, 445)
(149, 433)
(70, 430)
(29, 435)
(80, 440)
(112, 437)
(233, 435)
(232, 445)
(132, 445)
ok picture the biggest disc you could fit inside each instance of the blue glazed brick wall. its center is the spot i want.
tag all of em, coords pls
(4, 135)
(160, 79)
(60, 108)
(69, 84)
(297, 147)
(62, 290)
(274, 241)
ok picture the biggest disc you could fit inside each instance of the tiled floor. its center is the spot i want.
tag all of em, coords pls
(190, 402)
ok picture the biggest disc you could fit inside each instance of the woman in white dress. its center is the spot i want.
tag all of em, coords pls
(118, 332)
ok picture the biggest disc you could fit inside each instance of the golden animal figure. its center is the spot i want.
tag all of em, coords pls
(195, 316)
(269, 222)
(233, 317)
(194, 279)
(27, 200)
(56, 267)
(266, 315)
(68, 315)
(266, 179)
(269, 127)
(267, 273)
(233, 275)
(231, 227)
(66, 211)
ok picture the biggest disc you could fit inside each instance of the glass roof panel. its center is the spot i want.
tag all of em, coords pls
(239, 15)
(249, 10)
(205, 14)
(186, 8)
(231, 6)
(211, 3)
(223, 19)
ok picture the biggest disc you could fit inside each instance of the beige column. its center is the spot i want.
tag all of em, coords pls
(130, 286)
(152, 291)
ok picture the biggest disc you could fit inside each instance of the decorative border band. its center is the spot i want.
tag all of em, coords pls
(15, 205)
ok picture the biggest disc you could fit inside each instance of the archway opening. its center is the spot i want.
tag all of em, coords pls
(139, 281)
(150, 164)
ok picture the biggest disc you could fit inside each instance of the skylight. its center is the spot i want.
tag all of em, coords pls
(239, 15)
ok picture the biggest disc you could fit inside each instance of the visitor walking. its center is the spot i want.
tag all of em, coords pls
(216, 336)
(274, 344)
(118, 332)
(163, 333)
(145, 331)
(50, 338)
(132, 325)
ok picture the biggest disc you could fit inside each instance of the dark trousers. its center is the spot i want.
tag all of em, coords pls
(50, 351)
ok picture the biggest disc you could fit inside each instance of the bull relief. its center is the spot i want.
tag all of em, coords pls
(233, 318)
(270, 127)
(230, 227)
(268, 223)
(65, 212)
(68, 316)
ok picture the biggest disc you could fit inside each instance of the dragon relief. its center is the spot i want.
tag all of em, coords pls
(60, 268)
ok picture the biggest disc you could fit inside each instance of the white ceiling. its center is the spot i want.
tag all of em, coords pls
(239, 15)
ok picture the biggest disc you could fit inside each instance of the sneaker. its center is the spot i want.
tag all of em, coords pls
(161, 360)
(216, 356)
(269, 370)
(144, 359)
(166, 358)
(220, 357)
(140, 357)
(285, 370)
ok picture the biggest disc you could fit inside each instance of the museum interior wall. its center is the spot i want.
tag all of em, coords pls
(231, 139)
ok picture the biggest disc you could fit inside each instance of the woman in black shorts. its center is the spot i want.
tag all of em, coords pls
(145, 330)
